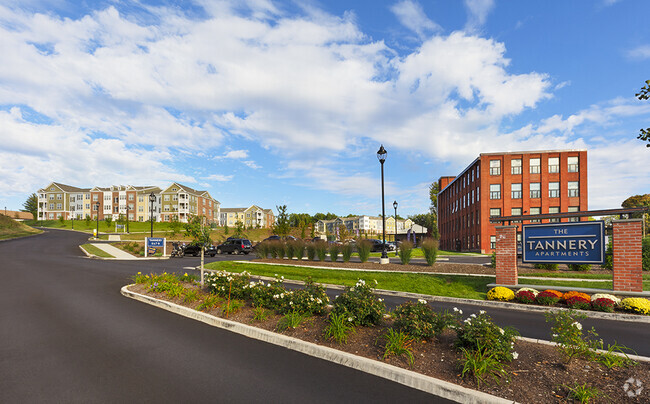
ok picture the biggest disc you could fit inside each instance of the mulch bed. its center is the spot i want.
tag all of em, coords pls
(539, 375)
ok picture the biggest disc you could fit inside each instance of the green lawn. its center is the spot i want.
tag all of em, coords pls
(91, 249)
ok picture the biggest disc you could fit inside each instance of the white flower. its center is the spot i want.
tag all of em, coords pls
(350, 319)
(473, 315)
(501, 331)
(577, 325)
(422, 301)
(481, 312)
(515, 355)
(375, 281)
(380, 299)
(554, 335)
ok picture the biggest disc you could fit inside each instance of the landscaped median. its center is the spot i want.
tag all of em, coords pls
(470, 351)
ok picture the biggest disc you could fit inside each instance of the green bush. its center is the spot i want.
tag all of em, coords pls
(579, 267)
(311, 251)
(405, 251)
(321, 250)
(430, 250)
(493, 259)
(609, 258)
(566, 331)
(645, 253)
(262, 249)
(418, 320)
(479, 333)
(299, 248)
(338, 328)
(363, 248)
(346, 251)
(548, 267)
(266, 294)
(334, 252)
(277, 249)
(360, 305)
(225, 284)
(290, 250)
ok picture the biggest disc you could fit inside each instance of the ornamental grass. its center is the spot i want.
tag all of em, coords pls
(501, 293)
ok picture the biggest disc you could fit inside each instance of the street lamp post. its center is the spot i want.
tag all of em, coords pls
(97, 206)
(127, 219)
(395, 206)
(381, 155)
(152, 199)
(72, 218)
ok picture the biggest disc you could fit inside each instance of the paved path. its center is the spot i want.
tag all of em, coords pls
(114, 251)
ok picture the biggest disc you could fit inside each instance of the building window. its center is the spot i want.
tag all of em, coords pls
(495, 167)
(495, 191)
(535, 166)
(574, 189)
(573, 209)
(95, 197)
(573, 165)
(554, 209)
(553, 189)
(493, 242)
(166, 197)
(553, 164)
(515, 166)
(535, 211)
(535, 192)
(59, 196)
(58, 206)
(515, 191)
(495, 212)
(515, 212)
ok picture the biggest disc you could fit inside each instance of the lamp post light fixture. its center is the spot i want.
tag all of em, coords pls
(395, 206)
(127, 219)
(152, 199)
(97, 206)
(381, 155)
(72, 218)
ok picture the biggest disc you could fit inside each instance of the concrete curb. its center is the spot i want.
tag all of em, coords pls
(634, 318)
(408, 378)
(637, 358)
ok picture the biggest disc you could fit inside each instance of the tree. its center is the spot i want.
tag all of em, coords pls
(31, 206)
(281, 227)
(88, 219)
(644, 94)
(200, 234)
(638, 201)
(434, 189)
(425, 220)
(109, 220)
(239, 228)
(324, 216)
(344, 234)
(225, 229)
(175, 224)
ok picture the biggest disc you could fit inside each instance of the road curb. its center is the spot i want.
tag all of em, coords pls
(408, 378)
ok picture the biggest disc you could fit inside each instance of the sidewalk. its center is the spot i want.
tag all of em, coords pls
(114, 251)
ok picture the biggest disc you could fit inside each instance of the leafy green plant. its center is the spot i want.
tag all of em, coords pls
(430, 250)
(190, 295)
(417, 319)
(603, 304)
(262, 250)
(548, 267)
(405, 251)
(266, 294)
(290, 320)
(175, 290)
(360, 304)
(609, 256)
(582, 392)
(228, 285)
(260, 314)
(298, 248)
(231, 306)
(321, 250)
(483, 364)
(398, 344)
(615, 357)
(478, 332)
(140, 278)
(338, 328)
(567, 333)
(334, 251)
(188, 278)
(363, 248)
(310, 300)
(546, 298)
(645, 253)
(210, 301)
(311, 251)
(493, 259)
(346, 251)
(277, 249)
(579, 267)
(290, 249)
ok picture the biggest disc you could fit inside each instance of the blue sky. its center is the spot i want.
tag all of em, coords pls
(282, 102)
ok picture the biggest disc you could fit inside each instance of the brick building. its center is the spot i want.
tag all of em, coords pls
(508, 184)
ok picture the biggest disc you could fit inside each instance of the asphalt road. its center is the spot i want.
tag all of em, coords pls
(67, 335)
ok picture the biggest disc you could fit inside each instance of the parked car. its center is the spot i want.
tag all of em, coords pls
(377, 245)
(195, 250)
(235, 246)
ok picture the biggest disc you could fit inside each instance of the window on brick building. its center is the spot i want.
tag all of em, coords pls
(495, 191)
(495, 167)
(493, 242)
(574, 188)
(573, 165)
(495, 212)
(515, 191)
(515, 212)
(535, 166)
(515, 166)
(554, 209)
(553, 164)
(535, 192)
(553, 189)
(574, 209)
(535, 211)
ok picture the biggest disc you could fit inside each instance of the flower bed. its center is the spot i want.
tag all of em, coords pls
(576, 300)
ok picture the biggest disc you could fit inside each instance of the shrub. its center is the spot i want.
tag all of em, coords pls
(346, 251)
(260, 314)
(363, 248)
(479, 333)
(299, 248)
(334, 251)
(547, 298)
(603, 304)
(277, 249)
(500, 293)
(569, 295)
(566, 332)
(636, 305)
(493, 259)
(311, 251)
(405, 251)
(645, 253)
(310, 300)
(321, 249)
(606, 296)
(398, 344)
(416, 319)
(231, 307)
(579, 267)
(582, 393)
(482, 364)
(338, 328)
(548, 267)
(525, 296)
(609, 256)
(209, 302)
(290, 249)
(360, 305)
(578, 302)
(190, 296)
(225, 284)
(430, 250)
(290, 320)
(262, 294)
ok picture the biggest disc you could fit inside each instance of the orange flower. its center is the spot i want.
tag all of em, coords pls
(572, 293)
(555, 292)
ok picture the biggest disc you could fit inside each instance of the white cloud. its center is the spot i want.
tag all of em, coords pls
(234, 154)
(477, 13)
(251, 164)
(640, 52)
(411, 15)
(219, 177)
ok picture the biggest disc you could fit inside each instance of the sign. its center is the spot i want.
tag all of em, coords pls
(152, 250)
(564, 243)
(155, 242)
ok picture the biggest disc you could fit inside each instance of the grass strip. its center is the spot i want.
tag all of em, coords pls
(417, 253)
(438, 285)
(91, 249)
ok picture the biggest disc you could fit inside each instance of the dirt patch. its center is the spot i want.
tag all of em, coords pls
(538, 375)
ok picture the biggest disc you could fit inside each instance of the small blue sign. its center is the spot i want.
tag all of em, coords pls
(155, 241)
(564, 243)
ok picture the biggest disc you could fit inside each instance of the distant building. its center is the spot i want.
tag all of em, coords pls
(508, 184)
(370, 226)
(253, 216)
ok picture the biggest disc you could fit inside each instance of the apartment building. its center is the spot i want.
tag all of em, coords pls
(183, 202)
(253, 216)
(369, 225)
(508, 184)
(56, 200)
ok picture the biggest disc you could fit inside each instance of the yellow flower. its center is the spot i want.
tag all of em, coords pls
(636, 305)
(500, 293)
